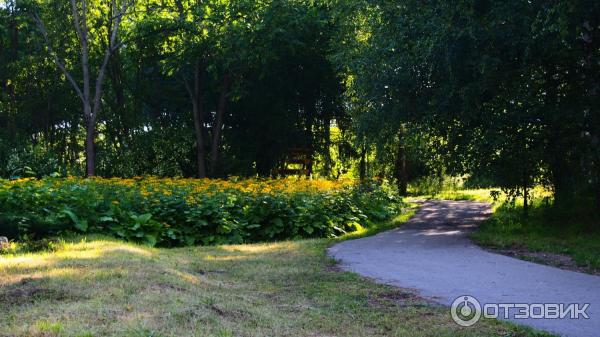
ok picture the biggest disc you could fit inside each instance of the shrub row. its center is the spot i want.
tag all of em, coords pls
(176, 212)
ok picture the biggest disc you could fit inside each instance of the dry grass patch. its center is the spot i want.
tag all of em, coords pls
(109, 288)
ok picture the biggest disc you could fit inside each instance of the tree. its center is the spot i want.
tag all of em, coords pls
(91, 103)
(510, 87)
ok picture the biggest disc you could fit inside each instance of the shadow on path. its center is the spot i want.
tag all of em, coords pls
(432, 254)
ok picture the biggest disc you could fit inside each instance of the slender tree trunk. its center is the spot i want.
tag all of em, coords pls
(91, 105)
(2, 52)
(49, 123)
(563, 184)
(525, 201)
(401, 173)
(90, 151)
(310, 111)
(63, 150)
(116, 77)
(73, 146)
(14, 39)
(597, 186)
(197, 95)
(327, 164)
(362, 167)
(215, 150)
(598, 197)
(201, 170)
(14, 46)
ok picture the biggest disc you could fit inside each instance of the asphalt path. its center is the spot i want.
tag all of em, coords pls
(432, 254)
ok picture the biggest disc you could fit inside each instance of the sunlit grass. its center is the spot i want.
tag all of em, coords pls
(103, 287)
(407, 212)
(491, 195)
(481, 195)
(574, 233)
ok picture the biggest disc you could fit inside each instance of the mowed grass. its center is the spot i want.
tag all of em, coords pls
(574, 233)
(567, 237)
(104, 287)
(480, 195)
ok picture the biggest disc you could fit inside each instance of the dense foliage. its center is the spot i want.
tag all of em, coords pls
(504, 92)
(195, 89)
(173, 212)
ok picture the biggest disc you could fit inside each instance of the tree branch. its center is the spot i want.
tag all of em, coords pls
(112, 46)
(81, 29)
(76, 21)
(188, 88)
(60, 65)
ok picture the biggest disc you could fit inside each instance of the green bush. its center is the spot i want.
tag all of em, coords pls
(176, 212)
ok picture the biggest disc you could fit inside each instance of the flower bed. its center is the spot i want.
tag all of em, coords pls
(176, 212)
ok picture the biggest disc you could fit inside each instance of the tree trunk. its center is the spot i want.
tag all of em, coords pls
(327, 160)
(84, 92)
(73, 144)
(14, 39)
(215, 150)
(1, 53)
(198, 110)
(525, 201)
(199, 141)
(598, 197)
(50, 130)
(120, 126)
(400, 170)
(362, 167)
(116, 79)
(597, 187)
(90, 151)
(562, 183)
(197, 96)
(310, 111)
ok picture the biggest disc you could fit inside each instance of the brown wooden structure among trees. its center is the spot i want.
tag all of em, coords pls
(298, 162)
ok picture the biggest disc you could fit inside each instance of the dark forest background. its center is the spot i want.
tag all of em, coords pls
(505, 93)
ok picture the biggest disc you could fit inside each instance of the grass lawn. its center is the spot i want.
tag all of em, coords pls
(568, 239)
(482, 195)
(104, 287)
(565, 239)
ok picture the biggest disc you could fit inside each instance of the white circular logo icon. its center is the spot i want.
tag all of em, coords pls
(466, 310)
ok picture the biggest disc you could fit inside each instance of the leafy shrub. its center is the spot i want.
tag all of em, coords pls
(26, 245)
(175, 212)
(32, 162)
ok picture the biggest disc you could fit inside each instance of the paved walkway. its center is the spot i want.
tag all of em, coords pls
(432, 253)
